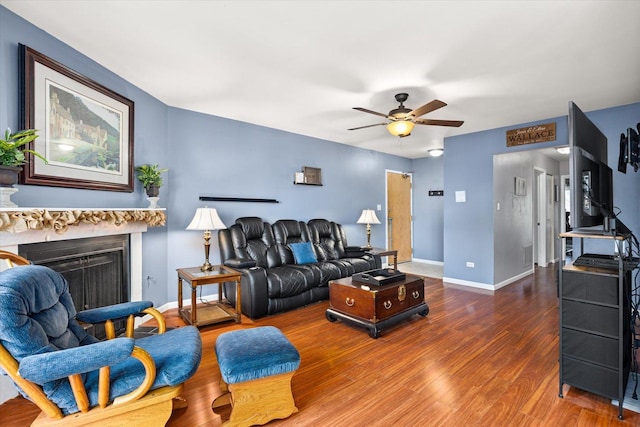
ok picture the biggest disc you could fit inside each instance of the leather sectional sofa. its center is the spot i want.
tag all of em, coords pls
(287, 264)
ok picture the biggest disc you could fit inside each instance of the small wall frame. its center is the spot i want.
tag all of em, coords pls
(308, 176)
(519, 186)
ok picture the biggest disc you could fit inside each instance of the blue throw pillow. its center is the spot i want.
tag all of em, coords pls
(303, 253)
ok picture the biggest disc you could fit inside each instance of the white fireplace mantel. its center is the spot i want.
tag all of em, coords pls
(20, 226)
(61, 220)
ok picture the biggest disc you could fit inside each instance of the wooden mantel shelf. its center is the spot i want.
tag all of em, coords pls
(17, 220)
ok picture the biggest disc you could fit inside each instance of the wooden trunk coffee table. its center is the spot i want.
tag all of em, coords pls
(376, 307)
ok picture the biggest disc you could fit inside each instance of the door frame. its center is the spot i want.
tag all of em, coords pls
(543, 244)
(386, 204)
(563, 215)
(540, 217)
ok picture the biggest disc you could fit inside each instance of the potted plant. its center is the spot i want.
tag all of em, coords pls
(151, 179)
(12, 149)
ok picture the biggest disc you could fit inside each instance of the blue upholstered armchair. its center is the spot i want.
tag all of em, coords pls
(68, 373)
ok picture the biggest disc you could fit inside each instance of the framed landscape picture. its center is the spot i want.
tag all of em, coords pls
(85, 131)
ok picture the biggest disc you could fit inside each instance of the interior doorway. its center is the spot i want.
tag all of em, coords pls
(399, 217)
(543, 219)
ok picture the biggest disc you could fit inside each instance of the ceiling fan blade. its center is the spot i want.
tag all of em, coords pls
(368, 126)
(427, 108)
(364, 110)
(451, 123)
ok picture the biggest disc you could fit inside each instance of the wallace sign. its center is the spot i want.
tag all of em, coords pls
(531, 135)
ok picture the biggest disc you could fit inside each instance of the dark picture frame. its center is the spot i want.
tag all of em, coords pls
(85, 130)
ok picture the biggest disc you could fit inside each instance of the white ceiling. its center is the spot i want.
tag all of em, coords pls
(301, 66)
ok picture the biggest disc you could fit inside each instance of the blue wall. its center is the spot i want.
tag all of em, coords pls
(612, 122)
(150, 136)
(206, 155)
(428, 211)
(212, 156)
(209, 155)
(468, 166)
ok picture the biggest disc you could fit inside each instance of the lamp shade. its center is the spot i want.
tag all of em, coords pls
(368, 216)
(206, 219)
(400, 128)
(436, 152)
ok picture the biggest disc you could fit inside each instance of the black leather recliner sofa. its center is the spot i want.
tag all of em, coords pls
(272, 281)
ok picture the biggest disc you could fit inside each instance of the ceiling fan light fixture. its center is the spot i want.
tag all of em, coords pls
(436, 152)
(400, 128)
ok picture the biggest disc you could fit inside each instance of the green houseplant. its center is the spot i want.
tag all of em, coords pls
(12, 158)
(150, 177)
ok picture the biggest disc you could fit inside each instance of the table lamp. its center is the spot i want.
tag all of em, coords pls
(206, 219)
(368, 217)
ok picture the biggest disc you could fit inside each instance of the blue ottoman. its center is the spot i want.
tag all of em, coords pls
(256, 366)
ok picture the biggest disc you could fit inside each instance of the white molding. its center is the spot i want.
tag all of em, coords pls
(76, 232)
(469, 283)
(427, 261)
(513, 279)
(487, 286)
(7, 389)
(135, 265)
(173, 304)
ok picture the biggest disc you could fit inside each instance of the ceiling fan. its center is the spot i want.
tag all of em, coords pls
(402, 119)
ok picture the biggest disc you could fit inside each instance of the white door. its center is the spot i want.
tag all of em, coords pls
(550, 218)
(541, 217)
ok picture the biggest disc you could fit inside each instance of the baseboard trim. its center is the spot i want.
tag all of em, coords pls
(427, 261)
(513, 279)
(168, 306)
(487, 286)
(468, 283)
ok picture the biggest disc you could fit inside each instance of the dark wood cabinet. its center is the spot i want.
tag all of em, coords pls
(596, 347)
(595, 329)
(97, 270)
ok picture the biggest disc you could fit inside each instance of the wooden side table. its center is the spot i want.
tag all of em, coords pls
(386, 252)
(215, 312)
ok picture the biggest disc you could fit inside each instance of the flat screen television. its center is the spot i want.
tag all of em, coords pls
(591, 183)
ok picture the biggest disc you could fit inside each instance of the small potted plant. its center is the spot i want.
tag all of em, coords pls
(12, 158)
(151, 179)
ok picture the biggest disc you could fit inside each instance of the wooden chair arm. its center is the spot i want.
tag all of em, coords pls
(80, 393)
(150, 369)
(13, 259)
(35, 393)
(162, 324)
(130, 328)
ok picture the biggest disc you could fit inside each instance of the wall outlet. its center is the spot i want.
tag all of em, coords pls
(471, 264)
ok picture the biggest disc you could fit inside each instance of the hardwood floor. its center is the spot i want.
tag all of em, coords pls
(478, 359)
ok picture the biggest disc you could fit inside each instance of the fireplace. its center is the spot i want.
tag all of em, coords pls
(22, 226)
(97, 269)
